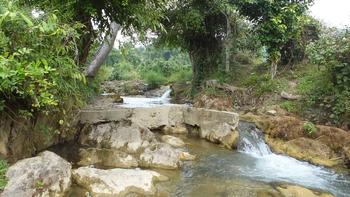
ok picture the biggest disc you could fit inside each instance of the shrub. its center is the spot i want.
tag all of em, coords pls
(309, 128)
(180, 76)
(262, 84)
(38, 70)
(290, 106)
(124, 71)
(154, 79)
(245, 57)
(329, 88)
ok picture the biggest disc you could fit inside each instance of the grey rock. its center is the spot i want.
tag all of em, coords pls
(44, 175)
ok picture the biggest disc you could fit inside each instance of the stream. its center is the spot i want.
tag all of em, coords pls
(251, 170)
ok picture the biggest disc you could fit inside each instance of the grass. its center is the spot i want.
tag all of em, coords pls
(3, 169)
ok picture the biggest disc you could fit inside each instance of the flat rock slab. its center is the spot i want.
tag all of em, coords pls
(44, 175)
(117, 182)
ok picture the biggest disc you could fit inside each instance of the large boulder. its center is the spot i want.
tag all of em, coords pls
(160, 156)
(117, 182)
(225, 134)
(215, 126)
(106, 158)
(44, 175)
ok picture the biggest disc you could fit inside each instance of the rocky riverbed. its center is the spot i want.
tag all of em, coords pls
(177, 150)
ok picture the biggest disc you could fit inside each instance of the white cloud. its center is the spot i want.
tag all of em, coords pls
(332, 12)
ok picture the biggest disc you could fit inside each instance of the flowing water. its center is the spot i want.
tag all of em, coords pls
(251, 171)
(146, 102)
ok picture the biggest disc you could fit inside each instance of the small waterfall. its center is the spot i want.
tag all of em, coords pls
(251, 140)
(166, 94)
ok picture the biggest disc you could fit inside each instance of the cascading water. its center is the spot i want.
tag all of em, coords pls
(267, 166)
(252, 141)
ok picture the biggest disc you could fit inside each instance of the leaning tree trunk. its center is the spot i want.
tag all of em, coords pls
(104, 50)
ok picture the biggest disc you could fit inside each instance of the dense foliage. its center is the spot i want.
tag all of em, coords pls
(155, 66)
(134, 16)
(330, 86)
(38, 61)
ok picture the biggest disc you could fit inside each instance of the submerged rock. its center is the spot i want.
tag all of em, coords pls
(44, 175)
(185, 156)
(297, 191)
(173, 141)
(106, 158)
(117, 182)
(161, 156)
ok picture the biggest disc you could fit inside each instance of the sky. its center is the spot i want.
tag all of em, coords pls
(332, 12)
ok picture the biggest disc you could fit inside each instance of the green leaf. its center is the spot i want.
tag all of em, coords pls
(27, 20)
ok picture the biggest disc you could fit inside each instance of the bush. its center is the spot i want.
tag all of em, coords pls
(262, 84)
(329, 87)
(154, 79)
(180, 76)
(245, 57)
(3, 169)
(290, 106)
(124, 71)
(37, 63)
(309, 128)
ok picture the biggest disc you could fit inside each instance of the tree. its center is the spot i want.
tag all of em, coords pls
(198, 27)
(277, 22)
(132, 16)
(202, 28)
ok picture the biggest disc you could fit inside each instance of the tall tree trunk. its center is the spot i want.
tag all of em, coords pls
(86, 40)
(273, 69)
(205, 59)
(103, 51)
(227, 44)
